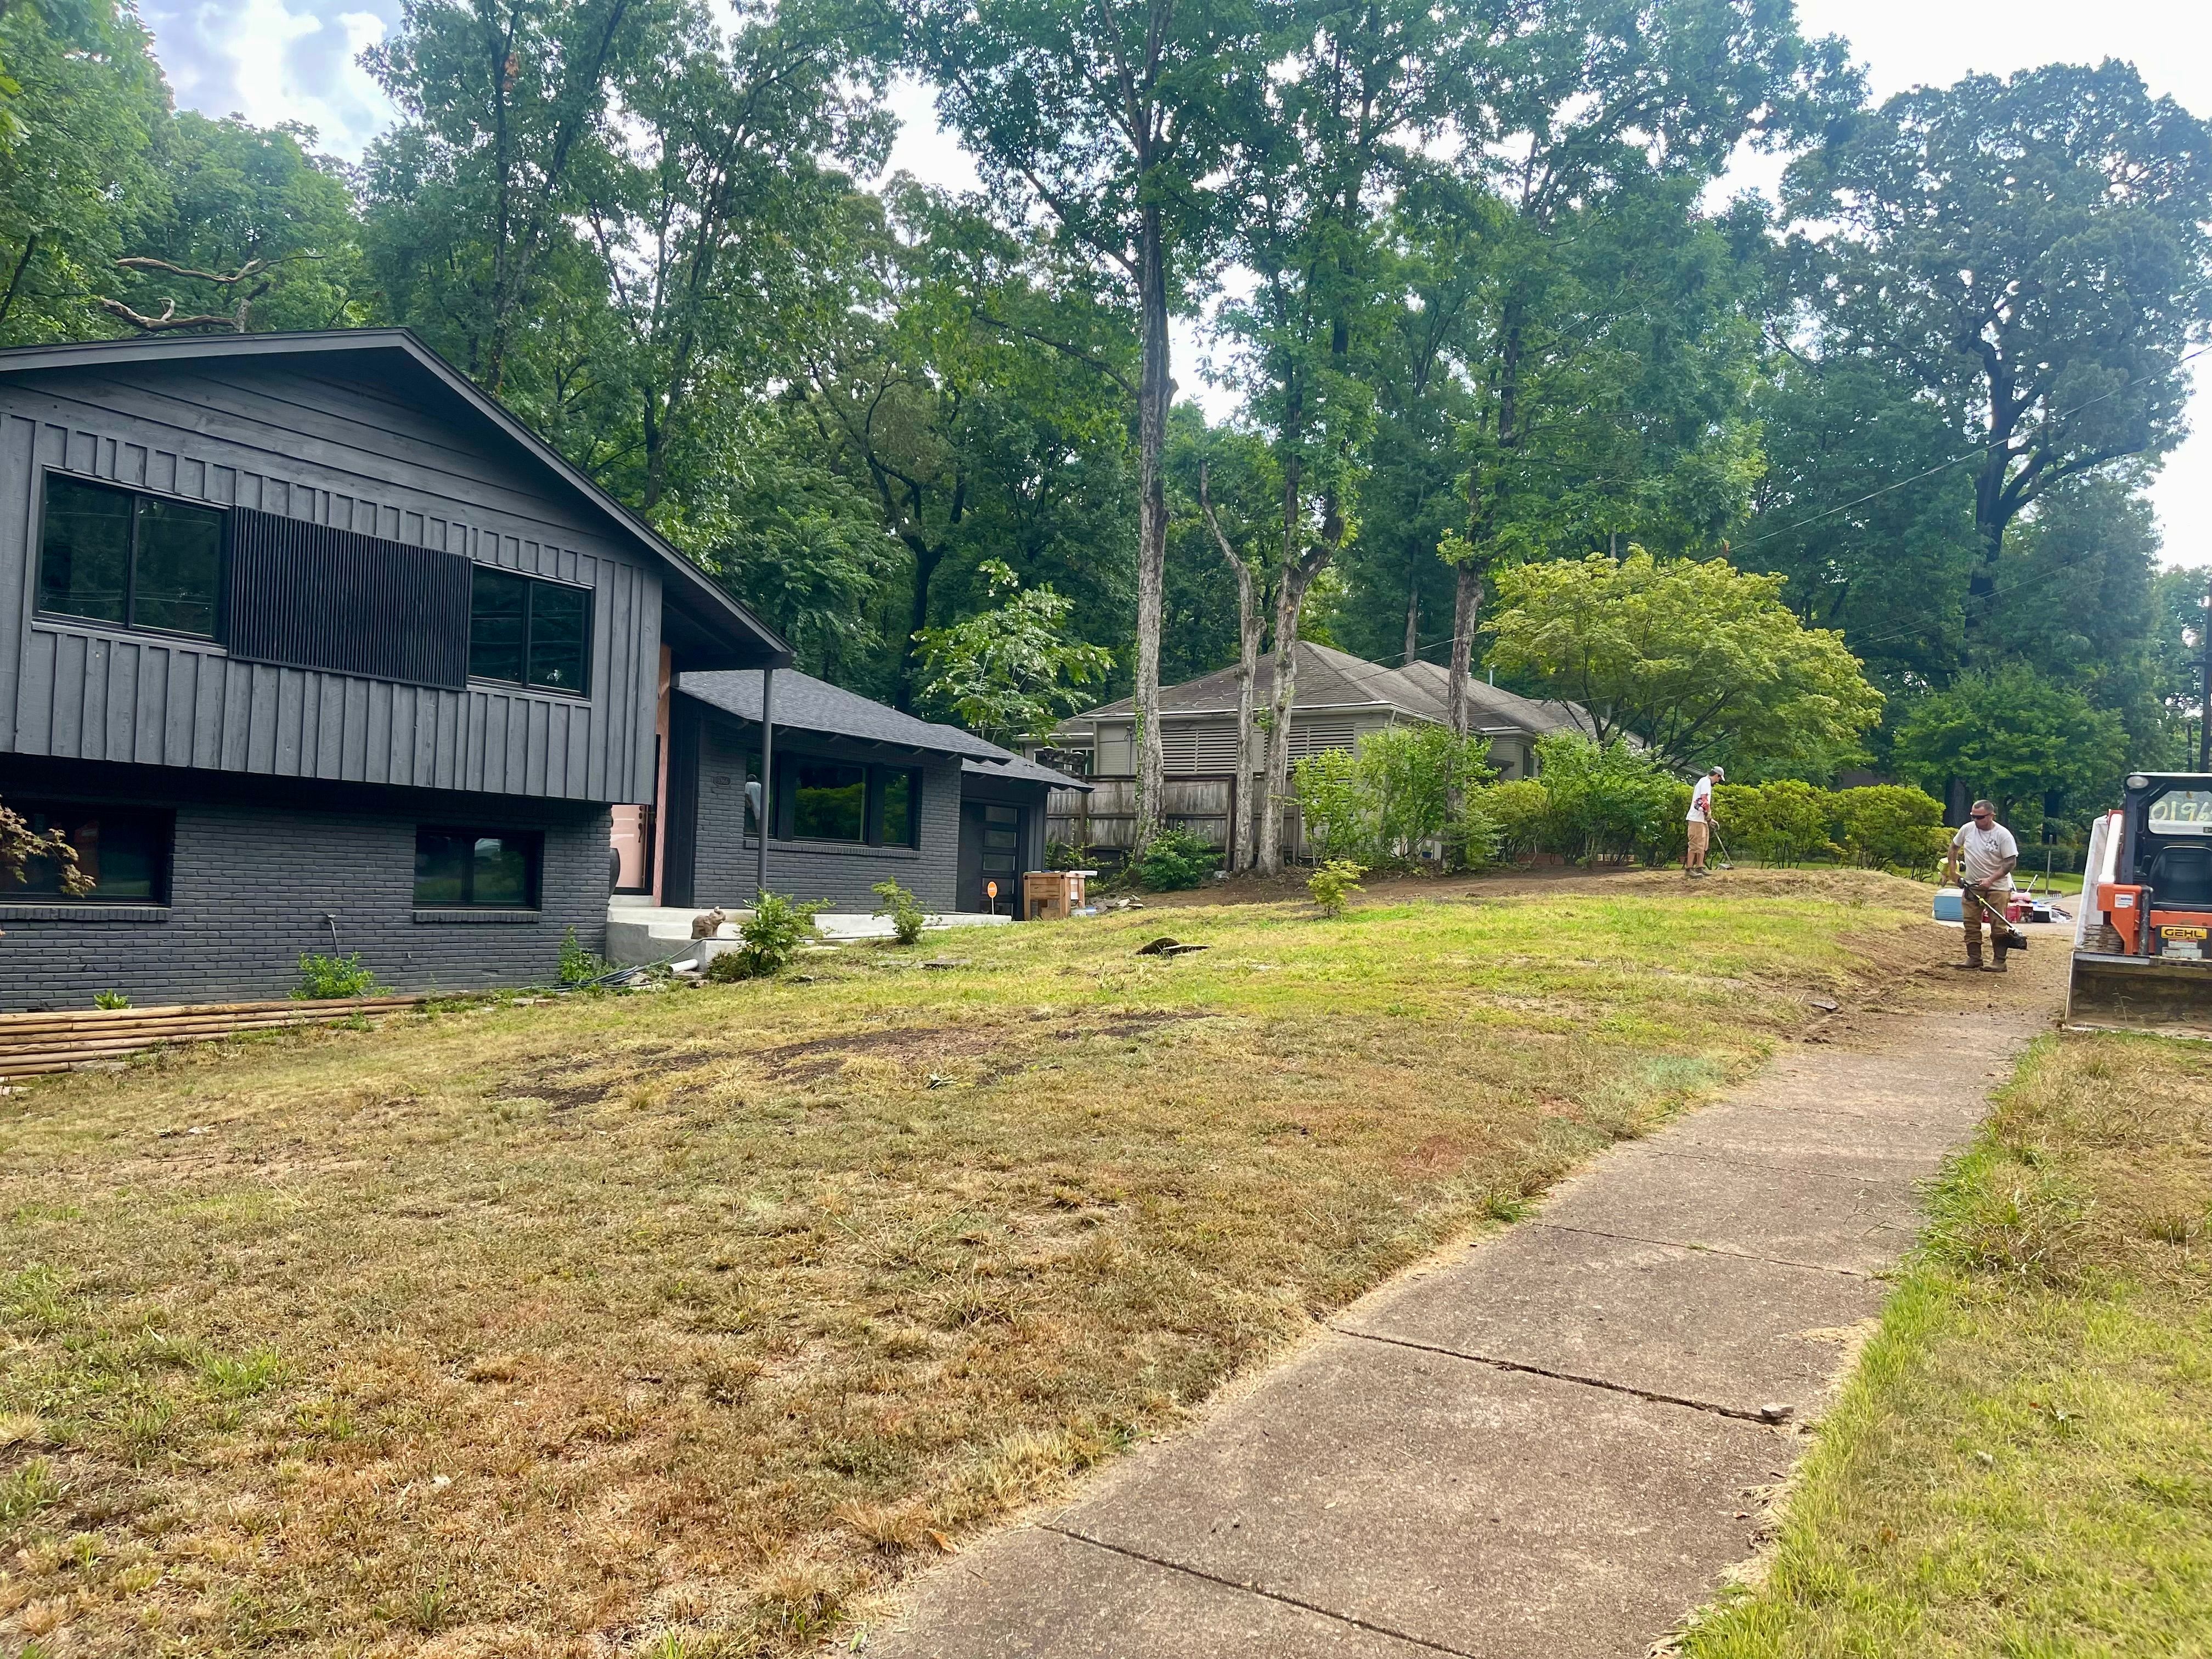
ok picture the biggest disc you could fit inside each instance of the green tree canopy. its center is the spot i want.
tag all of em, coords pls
(1701, 662)
(2020, 739)
(1010, 673)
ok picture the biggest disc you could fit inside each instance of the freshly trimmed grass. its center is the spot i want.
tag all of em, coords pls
(2021, 1467)
(686, 1323)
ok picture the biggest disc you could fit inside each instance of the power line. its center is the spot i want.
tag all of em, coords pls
(1957, 460)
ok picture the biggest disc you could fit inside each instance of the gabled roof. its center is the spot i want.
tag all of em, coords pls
(1328, 679)
(710, 625)
(1495, 707)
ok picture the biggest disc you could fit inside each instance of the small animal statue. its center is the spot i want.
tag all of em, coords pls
(707, 923)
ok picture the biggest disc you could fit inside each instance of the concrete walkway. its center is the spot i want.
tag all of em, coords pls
(1549, 1448)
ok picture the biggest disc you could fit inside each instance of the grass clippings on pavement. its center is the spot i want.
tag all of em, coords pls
(2021, 1467)
(687, 1323)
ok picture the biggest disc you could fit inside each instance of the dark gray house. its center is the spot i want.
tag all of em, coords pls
(309, 646)
(863, 793)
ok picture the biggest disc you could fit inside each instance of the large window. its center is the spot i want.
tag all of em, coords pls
(821, 800)
(115, 556)
(529, 632)
(464, 869)
(124, 853)
(829, 799)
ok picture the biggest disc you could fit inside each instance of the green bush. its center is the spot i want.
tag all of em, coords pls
(769, 938)
(1476, 839)
(1522, 812)
(1612, 800)
(1333, 884)
(1174, 859)
(908, 917)
(578, 965)
(322, 978)
(1389, 802)
(1783, 823)
(110, 999)
(1888, 824)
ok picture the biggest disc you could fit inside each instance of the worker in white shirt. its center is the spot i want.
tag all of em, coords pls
(1701, 822)
(1988, 851)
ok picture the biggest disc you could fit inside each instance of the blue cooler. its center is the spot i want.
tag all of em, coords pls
(1950, 905)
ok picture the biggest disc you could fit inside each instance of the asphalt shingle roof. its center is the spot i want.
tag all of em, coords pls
(1329, 678)
(803, 703)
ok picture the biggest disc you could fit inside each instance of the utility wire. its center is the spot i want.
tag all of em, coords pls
(1956, 460)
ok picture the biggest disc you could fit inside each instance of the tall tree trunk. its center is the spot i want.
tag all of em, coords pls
(1466, 609)
(1249, 626)
(1155, 390)
(1413, 621)
(1289, 599)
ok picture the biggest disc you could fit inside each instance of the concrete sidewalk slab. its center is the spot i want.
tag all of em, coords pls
(1405, 1486)
(1034, 1593)
(1490, 1512)
(1754, 1132)
(1724, 1331)
(1799, 1216)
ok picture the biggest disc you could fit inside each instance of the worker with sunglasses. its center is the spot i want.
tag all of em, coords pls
(1988, 851)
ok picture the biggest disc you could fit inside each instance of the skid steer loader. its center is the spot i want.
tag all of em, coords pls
(2143, 940)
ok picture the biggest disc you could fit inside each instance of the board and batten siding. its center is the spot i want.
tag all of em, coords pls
(330, 454)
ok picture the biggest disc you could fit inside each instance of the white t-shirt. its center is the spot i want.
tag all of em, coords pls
(1982, 854)
(1701, 797)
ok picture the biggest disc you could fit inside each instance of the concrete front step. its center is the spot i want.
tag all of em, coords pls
(648, 933)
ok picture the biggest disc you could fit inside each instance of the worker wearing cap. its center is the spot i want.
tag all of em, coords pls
(1701, 822)
(1988, 851)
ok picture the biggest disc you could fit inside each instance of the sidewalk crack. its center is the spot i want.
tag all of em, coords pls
(1124, 1551)
(1651, 1395)
(1709, 1249)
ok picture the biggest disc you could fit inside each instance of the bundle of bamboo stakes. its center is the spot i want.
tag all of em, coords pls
(34, 1044)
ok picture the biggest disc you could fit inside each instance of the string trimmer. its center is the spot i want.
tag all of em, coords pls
(2013, 938)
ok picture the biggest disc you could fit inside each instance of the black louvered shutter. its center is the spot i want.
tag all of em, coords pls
(306, 596)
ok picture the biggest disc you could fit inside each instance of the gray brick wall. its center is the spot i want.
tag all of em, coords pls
(725, 860)
(251, 883)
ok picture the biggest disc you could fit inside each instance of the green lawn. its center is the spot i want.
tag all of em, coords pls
(2021, 1467)
(686, 1323)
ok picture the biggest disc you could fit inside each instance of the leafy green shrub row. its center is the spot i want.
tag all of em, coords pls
(1389, 803)
(1174, 859)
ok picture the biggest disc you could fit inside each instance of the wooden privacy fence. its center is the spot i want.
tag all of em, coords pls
(31, 1045)
(1106, 817)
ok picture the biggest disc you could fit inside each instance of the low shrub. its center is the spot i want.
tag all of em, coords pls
(908, 917)
(1333, 884)
(1605, 800)
(1522, 812)
(1174, 859)
(110, 999)
(1890, 825)
(1389, 801)
(770, 938)
(322, 978)
(579, 966)
(1477, 837)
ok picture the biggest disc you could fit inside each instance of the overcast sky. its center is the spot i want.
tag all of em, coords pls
(279, 60)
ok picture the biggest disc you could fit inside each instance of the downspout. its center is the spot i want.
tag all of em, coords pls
(767, 778)
(660, 772)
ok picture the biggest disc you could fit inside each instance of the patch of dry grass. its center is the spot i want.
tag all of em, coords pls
(686, 1323)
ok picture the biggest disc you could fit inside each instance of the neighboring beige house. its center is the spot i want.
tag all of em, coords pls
(1341, 699)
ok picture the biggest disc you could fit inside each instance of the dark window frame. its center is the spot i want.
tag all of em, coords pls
(783, 805)
(40, 612)
(533, 841)
(531, 582)
(162, 868)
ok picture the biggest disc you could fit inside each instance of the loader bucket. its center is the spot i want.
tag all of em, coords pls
(2170, 997)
